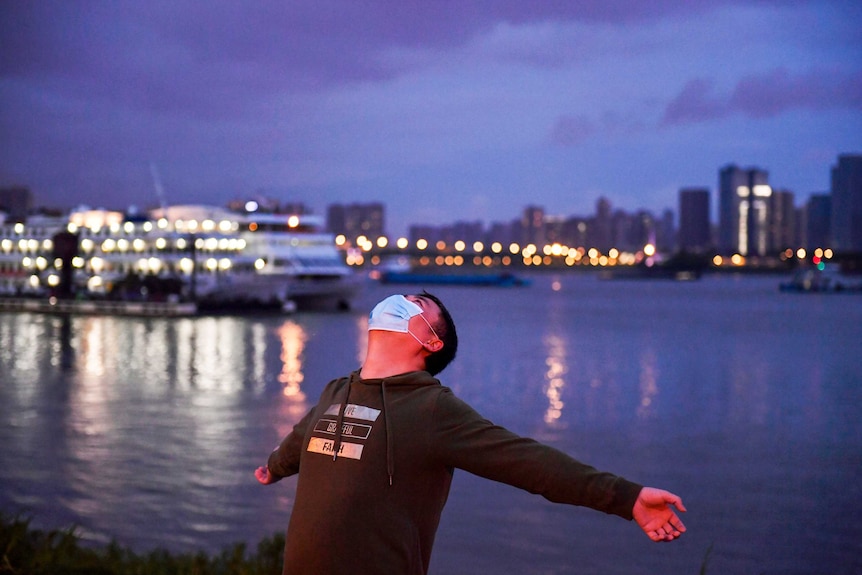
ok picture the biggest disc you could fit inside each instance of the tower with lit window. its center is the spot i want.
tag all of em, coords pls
(744, 218)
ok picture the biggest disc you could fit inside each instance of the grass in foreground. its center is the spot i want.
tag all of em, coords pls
(26, 551)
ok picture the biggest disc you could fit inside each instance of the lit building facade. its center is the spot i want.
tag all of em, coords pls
(744, 211)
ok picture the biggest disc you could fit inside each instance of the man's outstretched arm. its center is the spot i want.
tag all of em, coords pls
(653, 512)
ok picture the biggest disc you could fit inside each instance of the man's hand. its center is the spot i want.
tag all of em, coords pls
(654, 514)
(263, 475)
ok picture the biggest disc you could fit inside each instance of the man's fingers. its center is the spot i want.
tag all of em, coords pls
(677, 502)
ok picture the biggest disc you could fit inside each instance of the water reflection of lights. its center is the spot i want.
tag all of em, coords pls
(556, 369)
(293, 340)
(647, 384)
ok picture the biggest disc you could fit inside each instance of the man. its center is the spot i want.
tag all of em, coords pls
(375, 457)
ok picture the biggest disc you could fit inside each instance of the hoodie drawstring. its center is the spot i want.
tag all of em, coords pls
(390, 457)
(339, 425)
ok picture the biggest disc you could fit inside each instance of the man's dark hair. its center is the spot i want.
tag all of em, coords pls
(445, 328)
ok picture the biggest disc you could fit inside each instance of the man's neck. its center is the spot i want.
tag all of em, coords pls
(389, 355)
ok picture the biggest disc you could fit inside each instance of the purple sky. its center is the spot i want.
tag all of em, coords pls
(444, 110)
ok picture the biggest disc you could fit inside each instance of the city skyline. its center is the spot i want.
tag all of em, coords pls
(469, 109)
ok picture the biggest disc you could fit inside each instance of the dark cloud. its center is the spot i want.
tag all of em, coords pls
(226, 95)
(572, 130)
(767, 95)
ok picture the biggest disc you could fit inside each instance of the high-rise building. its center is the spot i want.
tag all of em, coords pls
(782, 221)
(817, 226)
(602, 232)
(744, 200)
(533, 226)
(16, 202)
(847, 203)
(694, 229)
(354, 220)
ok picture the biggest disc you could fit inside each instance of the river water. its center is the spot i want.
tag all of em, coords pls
(745, 401)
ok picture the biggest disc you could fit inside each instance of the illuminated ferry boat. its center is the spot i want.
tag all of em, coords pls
(208, 255)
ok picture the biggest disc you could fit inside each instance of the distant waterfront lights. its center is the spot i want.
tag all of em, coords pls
(225, 226)
(293, 221)
(259, 264)
(182, 244)
(187, 265)
(340, 240)
(800, 253)
(129, 227)
(108, 245)
(460, 246)
(95, 283)
(421, 244)
(382, 242)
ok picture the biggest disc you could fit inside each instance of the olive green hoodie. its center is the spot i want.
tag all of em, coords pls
(375, 460)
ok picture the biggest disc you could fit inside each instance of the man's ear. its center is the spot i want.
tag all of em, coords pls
(434, 345)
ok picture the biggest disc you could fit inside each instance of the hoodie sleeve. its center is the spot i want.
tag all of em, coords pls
(284, 460)
(465, 440)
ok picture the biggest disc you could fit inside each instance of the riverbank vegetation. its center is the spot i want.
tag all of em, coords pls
(28, 551)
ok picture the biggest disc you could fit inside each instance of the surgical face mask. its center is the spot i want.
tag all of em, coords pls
(394, 313)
